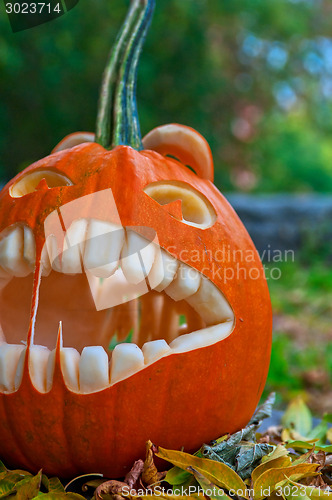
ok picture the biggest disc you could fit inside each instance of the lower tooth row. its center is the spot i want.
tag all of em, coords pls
(85, 373)
(91, 371)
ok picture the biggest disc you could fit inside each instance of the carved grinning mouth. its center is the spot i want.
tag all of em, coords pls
(106, 282)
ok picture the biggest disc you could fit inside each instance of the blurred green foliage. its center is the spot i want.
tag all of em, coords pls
(254, 76)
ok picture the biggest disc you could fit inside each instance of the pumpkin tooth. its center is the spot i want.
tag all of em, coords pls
(38, 359)
(9, 357)
(104, 241)
(54, 253)
(137, 257)
(29, 248)
(45, 262)
(15, 246)
(185, 284)
(69, 361)
(68, 259)
(114, 290)
(163, 271)
(19, 370)
(155, 350)
(38, 366)
(72, 255)
(205, 337)
(126, 360)
(211, 304)
(93, 367)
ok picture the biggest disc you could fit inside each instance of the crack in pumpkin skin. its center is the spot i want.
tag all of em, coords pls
(106, 431)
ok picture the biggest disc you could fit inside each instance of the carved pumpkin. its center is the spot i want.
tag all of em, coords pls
(110, 238)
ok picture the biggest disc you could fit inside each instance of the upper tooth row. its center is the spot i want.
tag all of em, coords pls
(102, 247)
(91, 371)
(99, 247)
(96, 244)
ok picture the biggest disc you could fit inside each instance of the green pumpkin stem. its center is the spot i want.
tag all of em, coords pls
(117, 120)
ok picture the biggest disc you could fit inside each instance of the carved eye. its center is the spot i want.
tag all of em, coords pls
(185, 203)
(30, 182)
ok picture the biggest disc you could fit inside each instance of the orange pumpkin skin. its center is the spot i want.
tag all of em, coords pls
(181, 400)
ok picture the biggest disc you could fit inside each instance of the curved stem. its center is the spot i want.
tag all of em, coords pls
(127, 131)
(117, 121)
(104, 116)
(135, 129)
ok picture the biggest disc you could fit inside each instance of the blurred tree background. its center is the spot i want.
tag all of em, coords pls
(253, 76)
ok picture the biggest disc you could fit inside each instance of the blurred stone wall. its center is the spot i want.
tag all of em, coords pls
(282, 222)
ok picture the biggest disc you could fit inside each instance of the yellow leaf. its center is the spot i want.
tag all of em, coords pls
(270, 478)
(298, 418)
(216, 472)
(311, 491)
(286, 435)
(303, 458)
(329, 435)
(210, 489)
(221, 439)
(279, 451)
(296, 477)
(177, 476)
(150, 474)
(277, 463)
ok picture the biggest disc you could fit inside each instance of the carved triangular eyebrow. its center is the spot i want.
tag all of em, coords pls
(174, 208)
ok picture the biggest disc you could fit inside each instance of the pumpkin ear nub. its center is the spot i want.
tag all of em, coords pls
(74, 139)
(185, 144)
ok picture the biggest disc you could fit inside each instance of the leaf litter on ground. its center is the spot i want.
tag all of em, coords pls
(289, 462)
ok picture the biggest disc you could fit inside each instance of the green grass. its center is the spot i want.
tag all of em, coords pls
(301, 360)
(302, 286)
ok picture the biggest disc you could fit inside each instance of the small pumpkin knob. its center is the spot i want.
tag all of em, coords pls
(186, 144)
